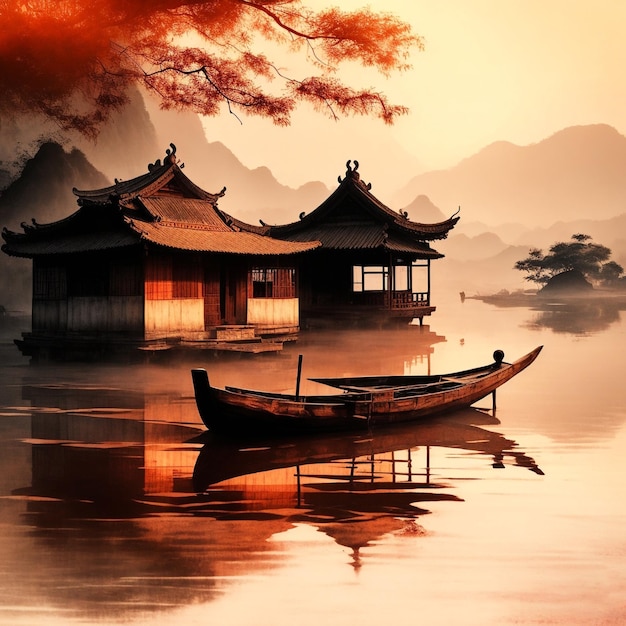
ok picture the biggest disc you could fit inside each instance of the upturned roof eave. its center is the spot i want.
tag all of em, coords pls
(436, 230)
(37, 232)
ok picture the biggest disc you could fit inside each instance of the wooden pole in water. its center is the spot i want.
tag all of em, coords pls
(493, 400)
(298, 377)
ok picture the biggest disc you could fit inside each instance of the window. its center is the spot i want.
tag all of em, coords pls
(273, 282)
(370, 278)
(402, 278)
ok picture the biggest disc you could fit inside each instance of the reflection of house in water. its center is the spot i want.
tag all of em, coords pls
(385, 351)
(152, 264)
(110, 446)
(111, 512)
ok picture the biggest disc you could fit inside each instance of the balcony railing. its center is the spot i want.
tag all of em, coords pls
(396, 301)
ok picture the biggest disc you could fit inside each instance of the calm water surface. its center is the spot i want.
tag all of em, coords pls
(116, 507)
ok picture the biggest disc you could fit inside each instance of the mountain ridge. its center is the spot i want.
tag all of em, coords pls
(565, 176)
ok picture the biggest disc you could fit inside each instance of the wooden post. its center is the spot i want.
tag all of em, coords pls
(390, 281)
(428, 282)
(298, 377)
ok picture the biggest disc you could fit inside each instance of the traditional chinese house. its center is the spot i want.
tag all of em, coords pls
(152, 263)
(373, 263)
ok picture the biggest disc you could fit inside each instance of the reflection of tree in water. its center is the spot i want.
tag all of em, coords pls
(580, 317)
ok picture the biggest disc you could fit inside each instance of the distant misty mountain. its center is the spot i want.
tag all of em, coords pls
(251, 194)
(140, 134)
(466, 248)
(43, 191)
(126, 145)
(483, 263)
(574, 174)
(480, 276)
(424, 211)
(44, 188)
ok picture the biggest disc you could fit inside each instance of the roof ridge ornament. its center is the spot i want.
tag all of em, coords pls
(170, 157)
(171, 154)
(352, 172)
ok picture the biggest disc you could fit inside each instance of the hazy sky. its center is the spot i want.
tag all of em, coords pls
(515, 70)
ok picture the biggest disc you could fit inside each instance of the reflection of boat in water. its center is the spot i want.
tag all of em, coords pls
(366, 401)
(354, 488)
(222, 459)
(108, 465)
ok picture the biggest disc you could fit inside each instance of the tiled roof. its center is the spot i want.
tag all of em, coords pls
(165, 208)
(183, 211)
(207, 240)
(342, 237)
(347, 237)
(408, 246)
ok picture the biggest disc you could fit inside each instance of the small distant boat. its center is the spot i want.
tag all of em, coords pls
(365, 401)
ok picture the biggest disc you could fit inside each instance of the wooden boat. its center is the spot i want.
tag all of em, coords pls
(365, 402)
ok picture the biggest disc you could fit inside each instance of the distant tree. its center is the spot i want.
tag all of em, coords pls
(74, 60)
(610, 273)
(579, 254)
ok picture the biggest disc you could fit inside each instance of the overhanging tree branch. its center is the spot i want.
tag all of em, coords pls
(74, 60)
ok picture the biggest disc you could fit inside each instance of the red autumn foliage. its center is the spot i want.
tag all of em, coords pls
(74, 60)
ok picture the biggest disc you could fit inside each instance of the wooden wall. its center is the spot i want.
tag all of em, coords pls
(174, 303)
(89, 294)
(173, 318)
(159, 293)
(273, 311)
(89, 314)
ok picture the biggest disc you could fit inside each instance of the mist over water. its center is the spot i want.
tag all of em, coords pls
(112, 512)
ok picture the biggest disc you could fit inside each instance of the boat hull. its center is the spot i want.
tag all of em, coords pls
(238, 411)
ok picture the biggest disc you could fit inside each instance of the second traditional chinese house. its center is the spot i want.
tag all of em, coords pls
(373, 263)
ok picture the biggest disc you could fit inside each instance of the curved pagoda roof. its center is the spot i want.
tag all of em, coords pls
(353, 218)
(162, 207)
